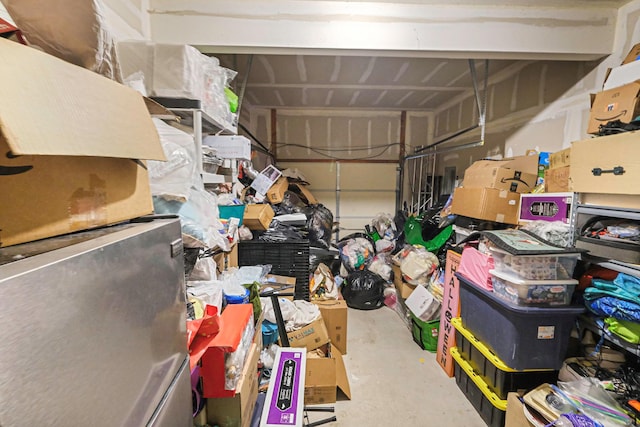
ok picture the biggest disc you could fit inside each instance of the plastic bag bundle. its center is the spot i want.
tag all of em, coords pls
(356, 253)
(363, 290)
(381, 265)
(319, 224)
(556, 232)
(416, 264)
(385, 226)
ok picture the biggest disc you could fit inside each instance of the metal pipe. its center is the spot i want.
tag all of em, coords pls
(449, 138)
(243, 86)
(338, 199)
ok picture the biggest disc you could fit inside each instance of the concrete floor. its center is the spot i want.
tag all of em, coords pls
(394, 382)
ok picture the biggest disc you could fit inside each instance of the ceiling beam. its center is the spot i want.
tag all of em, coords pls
(356, 87)
(483, 31)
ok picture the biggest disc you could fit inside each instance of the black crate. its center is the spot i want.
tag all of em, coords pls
(286, 259)
(494, 372)
(489, 406)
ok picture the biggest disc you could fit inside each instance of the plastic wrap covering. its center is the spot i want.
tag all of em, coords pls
(74, 31)
(385, 226)
(363, 290)
(205, 268)
(417, 264)
(381, 265)
(234, 361)
(208, 292)
(587, 396)
(556, 232)
(200, 225)
(173, 179)
(322, 285)
(180, 71)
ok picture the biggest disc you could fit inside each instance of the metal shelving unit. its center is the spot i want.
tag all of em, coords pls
(191, 114)
(589, 324)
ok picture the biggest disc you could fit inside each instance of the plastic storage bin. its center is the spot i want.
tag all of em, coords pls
(536, 267)
(286, 259)
(522, 337)
(532, 292)
(231, 211)
(491, 408)
(425, 334)
(494, 372)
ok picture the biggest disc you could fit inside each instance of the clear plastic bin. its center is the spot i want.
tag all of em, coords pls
(536, 267)
(532, 292)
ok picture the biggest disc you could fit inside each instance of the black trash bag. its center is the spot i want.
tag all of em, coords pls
(279, 232)
(319, 225)
(291, 203)
(363, 290)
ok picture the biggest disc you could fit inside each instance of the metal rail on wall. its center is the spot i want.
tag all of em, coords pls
(421, 165)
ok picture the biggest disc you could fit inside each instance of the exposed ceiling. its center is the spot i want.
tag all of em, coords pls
(417, 79)
(355, 82)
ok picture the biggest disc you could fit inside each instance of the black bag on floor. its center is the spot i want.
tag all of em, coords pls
(363, 290)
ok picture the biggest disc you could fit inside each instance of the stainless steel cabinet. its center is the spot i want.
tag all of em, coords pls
(93, 331)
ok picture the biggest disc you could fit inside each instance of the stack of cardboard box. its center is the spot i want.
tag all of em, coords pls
(491, 188)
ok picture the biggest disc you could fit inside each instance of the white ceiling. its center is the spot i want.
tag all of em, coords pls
(378, 54)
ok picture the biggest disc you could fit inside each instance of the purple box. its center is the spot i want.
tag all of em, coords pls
(546, 207)
(284, 403)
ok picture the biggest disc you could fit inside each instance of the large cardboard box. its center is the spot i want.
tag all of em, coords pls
(404, 289)
(620, 103)
(236, 411)
(258, 216)
(325, 376)
(71, 143)
(275, 194)
(517, 174)
(312, 336)
(560, 158)
(608, 164)
(334, 313)
(514, 416)
(486, 203)
(557, 180)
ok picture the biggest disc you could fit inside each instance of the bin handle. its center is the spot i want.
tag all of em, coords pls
(617, 170)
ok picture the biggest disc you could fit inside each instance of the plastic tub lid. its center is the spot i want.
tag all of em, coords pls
(550, 254)
(523, 282)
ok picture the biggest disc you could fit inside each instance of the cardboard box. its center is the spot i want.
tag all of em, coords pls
(335, 313)
(404, 289)
(227, 260)
(594, 160)
(517, 174)
(324, 377)
(275, 194)
(423, 304)
(230, 146)
(514, 416)
(304, 193)
(486, 203)
(71, 146)
(557, 180)
(258, 216)
(284, 402)
(560, 158)
(450, 309)
(312, 336)
(633, 54)
(233, 321)
(546, 207)
(237, 411)
(620, 103)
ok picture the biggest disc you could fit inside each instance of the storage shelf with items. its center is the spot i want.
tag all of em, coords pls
(593, 325)
(191, 115)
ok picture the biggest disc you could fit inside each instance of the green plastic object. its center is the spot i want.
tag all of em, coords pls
(425, 334)
(413, 235)
(232, 98)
